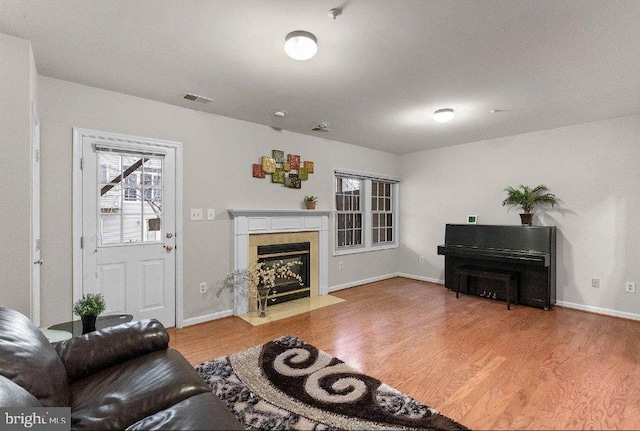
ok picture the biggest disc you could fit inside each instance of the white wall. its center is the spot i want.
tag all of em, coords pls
(218, 154)
(594, 168)
(16, 95)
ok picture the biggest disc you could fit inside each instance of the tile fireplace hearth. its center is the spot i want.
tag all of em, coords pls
(277, 228)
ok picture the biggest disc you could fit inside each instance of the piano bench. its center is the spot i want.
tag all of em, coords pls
(508, 277)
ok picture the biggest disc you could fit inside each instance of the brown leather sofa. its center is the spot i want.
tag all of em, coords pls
(124, 377)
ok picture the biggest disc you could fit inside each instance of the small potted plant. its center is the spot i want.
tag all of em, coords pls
(527, 198)
(89, 308)
(310, 202)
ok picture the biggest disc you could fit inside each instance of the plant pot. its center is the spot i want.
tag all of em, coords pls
(526, 219)
(310, 205)
(88, 323)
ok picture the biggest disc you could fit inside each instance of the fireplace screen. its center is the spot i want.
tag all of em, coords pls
(287, 290)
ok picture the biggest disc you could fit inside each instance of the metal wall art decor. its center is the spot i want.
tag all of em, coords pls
(257, 171)
(294, 160)
(303, 174)
(289, 171)
(268, 164)
(278, 156)
(309, 166)
(278, 176)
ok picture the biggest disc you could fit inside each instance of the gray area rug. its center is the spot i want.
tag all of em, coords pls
(287, 384)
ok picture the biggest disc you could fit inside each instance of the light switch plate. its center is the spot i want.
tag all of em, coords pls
(211, 214)
(196, 213)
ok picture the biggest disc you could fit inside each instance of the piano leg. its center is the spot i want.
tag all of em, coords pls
(466, 285)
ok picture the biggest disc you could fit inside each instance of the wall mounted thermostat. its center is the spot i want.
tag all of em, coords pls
(472, 219)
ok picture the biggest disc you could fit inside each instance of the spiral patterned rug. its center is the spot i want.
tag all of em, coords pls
(287, 384)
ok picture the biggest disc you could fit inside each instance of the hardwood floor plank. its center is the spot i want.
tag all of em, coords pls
(469, 358)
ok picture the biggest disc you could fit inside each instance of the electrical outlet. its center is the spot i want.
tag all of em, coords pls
(340, 265)
(421, 259)
(630, 287)
(595, 282)
(203, 287)
(211, 214)
(196, 213)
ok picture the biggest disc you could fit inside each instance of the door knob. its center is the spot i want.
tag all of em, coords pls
(168, 248)
(169, 235)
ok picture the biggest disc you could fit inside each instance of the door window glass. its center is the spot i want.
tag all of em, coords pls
(129, 198)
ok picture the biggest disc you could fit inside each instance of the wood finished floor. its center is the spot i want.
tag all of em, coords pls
(471, 359)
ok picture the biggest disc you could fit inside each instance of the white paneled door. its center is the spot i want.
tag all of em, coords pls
(128, 226)
(35, 222)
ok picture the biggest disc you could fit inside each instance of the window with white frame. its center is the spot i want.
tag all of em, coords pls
(366, 211)
(382, 212)
(348, 212)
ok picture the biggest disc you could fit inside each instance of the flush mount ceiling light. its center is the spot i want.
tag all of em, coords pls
(443, 115)
(301, 45)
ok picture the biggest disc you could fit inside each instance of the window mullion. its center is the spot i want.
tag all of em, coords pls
(142, 197)
(122, 212)
(366, 216)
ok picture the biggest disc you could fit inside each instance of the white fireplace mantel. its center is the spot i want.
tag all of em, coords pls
(252, 221)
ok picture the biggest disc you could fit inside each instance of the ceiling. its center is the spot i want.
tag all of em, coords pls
(381, 70)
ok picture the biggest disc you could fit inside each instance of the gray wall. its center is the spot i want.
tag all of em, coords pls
(17, 91)
(592, 167)
(218, 153)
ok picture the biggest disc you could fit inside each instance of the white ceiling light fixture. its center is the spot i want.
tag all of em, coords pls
(443, 115)
(301, 45)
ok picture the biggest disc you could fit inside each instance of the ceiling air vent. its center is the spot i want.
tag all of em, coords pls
(321, 127)
(196, 98)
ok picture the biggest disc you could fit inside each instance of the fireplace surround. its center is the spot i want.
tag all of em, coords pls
(256, 228)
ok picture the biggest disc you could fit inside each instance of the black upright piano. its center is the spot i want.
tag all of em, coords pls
(530, 250)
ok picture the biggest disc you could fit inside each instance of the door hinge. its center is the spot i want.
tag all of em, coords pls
(37, 156)
(81, 163)
(38, 245)
(81, 242)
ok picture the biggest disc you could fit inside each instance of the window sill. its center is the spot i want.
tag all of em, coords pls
(364, 249)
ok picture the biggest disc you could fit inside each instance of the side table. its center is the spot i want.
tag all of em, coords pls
(102, 322)
(54, 335)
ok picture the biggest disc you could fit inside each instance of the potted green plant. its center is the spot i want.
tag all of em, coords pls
(89, 308)
(527, 198)
(310, 202)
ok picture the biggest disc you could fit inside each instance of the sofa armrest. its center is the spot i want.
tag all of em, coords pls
(95, 351)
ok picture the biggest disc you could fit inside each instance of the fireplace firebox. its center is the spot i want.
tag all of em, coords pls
(284, 289)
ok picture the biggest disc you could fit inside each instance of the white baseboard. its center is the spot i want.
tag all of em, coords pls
(360, 282)
(599, 310)
(421, 278)
(207, 318)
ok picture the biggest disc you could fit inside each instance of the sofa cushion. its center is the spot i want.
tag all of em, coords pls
(12, 395)
(200, 412)
(123, 394)
(92, 352)
(28, 359)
